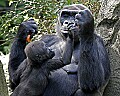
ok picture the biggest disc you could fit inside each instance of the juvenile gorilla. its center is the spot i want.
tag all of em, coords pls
(32, 75)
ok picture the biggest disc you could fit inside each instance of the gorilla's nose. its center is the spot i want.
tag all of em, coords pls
(72, 22)
(66, 22)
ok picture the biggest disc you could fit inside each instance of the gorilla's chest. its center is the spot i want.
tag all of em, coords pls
(72, 67)
(76, 54)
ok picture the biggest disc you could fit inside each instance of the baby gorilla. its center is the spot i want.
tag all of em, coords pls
(31, 77)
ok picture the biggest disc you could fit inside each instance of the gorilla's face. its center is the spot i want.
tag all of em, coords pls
(38, 52)
(71, 19)
(49, 54)
(67, 19)
(76, 21)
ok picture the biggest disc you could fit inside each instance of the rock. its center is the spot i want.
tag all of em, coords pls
(3, 85)
(108, 25)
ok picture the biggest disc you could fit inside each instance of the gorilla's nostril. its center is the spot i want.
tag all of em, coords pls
(65, 22)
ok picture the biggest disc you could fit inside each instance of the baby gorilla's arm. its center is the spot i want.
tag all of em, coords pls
(54, 64)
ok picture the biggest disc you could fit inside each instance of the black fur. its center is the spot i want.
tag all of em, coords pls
(32, 75)
(17, 54)
(89, 70)
(81, 77)
(94, 65)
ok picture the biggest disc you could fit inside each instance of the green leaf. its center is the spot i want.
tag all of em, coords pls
(2, 3)
(69, 2)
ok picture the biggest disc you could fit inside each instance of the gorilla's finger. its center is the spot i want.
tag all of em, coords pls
(31, 22)
(34, 26)
(32, 30)
(70, 26)
(31, 19)
(78, 16)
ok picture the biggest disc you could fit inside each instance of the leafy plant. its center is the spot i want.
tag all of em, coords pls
(43, 11)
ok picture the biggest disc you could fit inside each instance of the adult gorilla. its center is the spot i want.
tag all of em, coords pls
(76, 21)
(89, 71)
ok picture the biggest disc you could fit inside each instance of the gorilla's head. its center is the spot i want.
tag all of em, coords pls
(37, 52)
(76, 15)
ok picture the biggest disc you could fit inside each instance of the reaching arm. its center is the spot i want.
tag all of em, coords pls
(54, 64)
(17, 54)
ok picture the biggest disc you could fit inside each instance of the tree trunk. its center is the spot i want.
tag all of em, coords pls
(3, 85)
(108, 27)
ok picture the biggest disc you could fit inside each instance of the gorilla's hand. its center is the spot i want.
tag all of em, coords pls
(76, 27)
(73, 30)
(27, 30)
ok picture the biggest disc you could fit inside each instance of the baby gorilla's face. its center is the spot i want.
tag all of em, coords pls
(38, 52)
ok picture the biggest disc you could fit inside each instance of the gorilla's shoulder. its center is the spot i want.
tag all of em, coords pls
(50, 39)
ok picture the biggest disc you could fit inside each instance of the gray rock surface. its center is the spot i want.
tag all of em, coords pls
(3, 85)
(108, 27)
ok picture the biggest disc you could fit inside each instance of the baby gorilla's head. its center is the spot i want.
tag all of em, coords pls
(37, 52)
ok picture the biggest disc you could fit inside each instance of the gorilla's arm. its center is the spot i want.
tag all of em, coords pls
(17, 54)
(18, 72)
(67, 52)
(54, 64)
(94, 68)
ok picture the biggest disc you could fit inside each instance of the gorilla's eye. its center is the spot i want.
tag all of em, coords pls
(78, 16)
(81, 13)
(73, 14)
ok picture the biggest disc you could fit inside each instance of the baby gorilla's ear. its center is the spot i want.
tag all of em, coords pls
(38, 52)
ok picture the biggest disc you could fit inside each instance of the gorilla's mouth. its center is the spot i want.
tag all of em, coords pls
(64, 29)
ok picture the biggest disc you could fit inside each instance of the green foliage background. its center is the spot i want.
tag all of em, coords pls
(43, 11)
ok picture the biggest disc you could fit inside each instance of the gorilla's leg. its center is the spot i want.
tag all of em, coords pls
(61, 84)
(79, 92)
